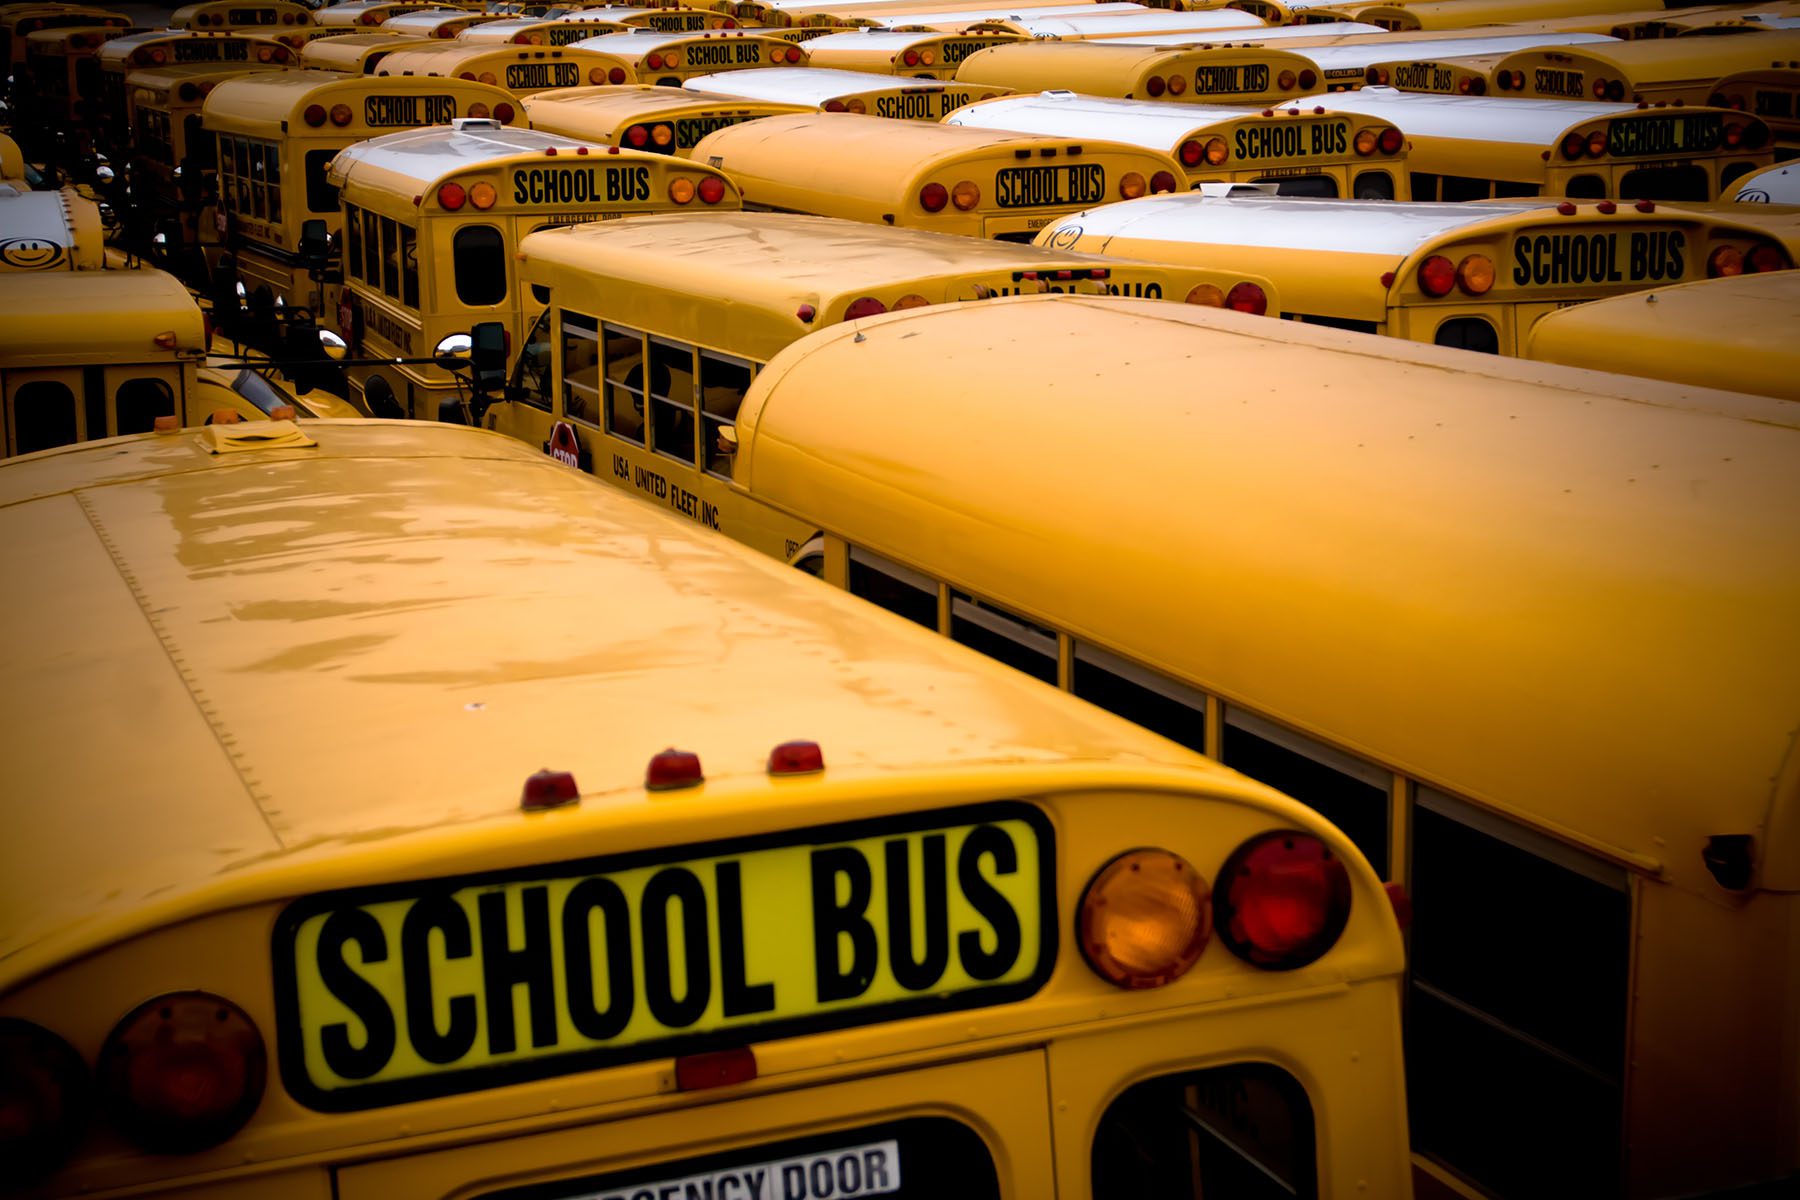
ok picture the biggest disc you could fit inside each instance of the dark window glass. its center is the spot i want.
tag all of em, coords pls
(1733, 173)
(1352, 795)
(1172, 709)
(1340, 323)
(1458, 188)
(723, 382)
(1664, 183)
(371, 249)
(1507, 189)
(43, 416)
(1321, 186)
(581, 368)
(390, 258)
(894, 588)
(1373, 185)
(1424, 186)
(1244, 1132)
(1592, 187)
(623, 352)
(919, 1158)
(140, 402)
(672, 400)
(409, 266)
(1514, 1075)
(1469, 333)
(999, 634)
(321, 197)
(480, 257)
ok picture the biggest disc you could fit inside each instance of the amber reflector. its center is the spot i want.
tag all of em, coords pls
(1144, 919)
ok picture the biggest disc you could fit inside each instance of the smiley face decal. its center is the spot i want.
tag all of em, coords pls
(31, 253)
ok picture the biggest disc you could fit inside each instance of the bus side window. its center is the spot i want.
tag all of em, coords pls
(1550, 1057)
(723, 382)
(353, 241)
(409, 266)
(321, 197)
(624, 373)
(1424, 186)
(581, 368)
(898, 589)
(1002, 635)
(1352, 794)
(1507, 189)
(1176, 711)
(372, 249)
(479, 254)
(672, 400)
(140, 401)
(43, 416)
(1458, 188)
(1244, 1131)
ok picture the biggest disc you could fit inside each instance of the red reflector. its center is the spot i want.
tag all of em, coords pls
(1437, 275)
(1646, 206)
(796, 758)
(1607, 207)
(864, 306)
(933, 197)
(1566, 208)
(1387, 279)
(806, 313)
(548, 789)
(167, 424)
(1247, 298)
(183, 1071)
(1282, 900)
(673, 768)
(720, 1068)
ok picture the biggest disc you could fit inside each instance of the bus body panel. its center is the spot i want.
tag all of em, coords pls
(538, 31)
(1656, 70)
(674, 57)
(609, 114)
(1239, 75)
(858, 92)
(925, 56)
(1777, 184)
(521, 70)
(355, 53)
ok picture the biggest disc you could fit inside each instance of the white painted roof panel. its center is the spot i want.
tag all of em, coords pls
(1481, 118)
(1067, 114)
(805, 85)
(429, 154)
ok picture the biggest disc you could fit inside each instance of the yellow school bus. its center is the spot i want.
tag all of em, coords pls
(1076, 25)
(1721, 332)
(672, 18)
(893, 52)
(521, 70)
(658, 119)
(355, 53)
(1652, 71)
(1234, 75)
(1773, 96)
(20, 21)
(784, 12)
(1467, 14)
(266, 15)
(434, 22)
(93, 353)
(1315, 151)
(865, 92)
(540, 31)
(433, 217)
(14, 170)
(277, 132)
(46, 231)
(161, 48)
(1464, 607)
(1347, 63)
(60, 91)
(642, 309)
(670, 59)
(369, 14)
(921, 175)
(1477, 276)
(1473, 148)
(906, 926)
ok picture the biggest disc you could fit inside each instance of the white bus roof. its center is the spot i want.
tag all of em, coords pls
(1356, 55)
(1147, 123)
(502, 31)
(1081, 24)
(1483, 118)
(871, 39)
(642, 41)
(1289, 222)
(426, 155)
(970, 16)
(37, 229)
(1779, 184)
(805, 85)
(1272, 33)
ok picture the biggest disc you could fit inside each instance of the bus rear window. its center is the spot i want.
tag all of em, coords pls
(1244, 1131)
(480, 256)
(921, 1158)
(321, 197)
(43, 416)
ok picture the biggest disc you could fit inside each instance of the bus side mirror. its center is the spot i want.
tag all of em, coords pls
(332, 344)
(315, 243)
(487, 358)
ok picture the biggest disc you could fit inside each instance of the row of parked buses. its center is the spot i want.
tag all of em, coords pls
(1509, 636)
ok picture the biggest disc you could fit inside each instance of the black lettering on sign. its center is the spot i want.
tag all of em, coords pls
(580, 185)
(679, 23)
(210, 50)
(1551, 82)
(1292, 140)
(437, 914)
(746, 54)
(740, 997)
(1228, 80)
(1665, 134)
(504, 968)
(393, 112)
(1560, 260)
(709, 54)
(562, 35)
(676, 887)
(911, 106)
(689, 130)
(1779, 105)
(601, 897)
(916, 974)
(539, 75)
(1143, 291)
(988, 842)
(834, 920)
(356, 994)
(1029, 187)
(952, 52)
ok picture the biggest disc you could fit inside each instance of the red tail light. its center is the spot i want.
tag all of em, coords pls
(1307, 79)
(910, 58)
(637, 137)
(1191, 152)
(1155, 86)
(503, 113)
(712, 190)
(1247, 297)
(314, 115)
(866, 306)
(451, 196)
(1766, 257)
(616, 76)
(1282, 900)
(183, 1072)
(1437, 275)
(341, 115)
(1162, 181)
(933, 197)
(794, 54)
(44, 1098)
(653, 60)
(1573, 145)
(1391, 141)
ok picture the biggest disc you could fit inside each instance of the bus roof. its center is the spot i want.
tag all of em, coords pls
(1074, 23)
(411, 160)
(506, 29)
(1711, 333)
(1779, 184)
(47, 230)
(1152, 123)
(631, 101)
(1346, 56)
(1487, 118)
(1274, 33)
(870, 38)
(1683, 58)
(163, 79)
(246, 643)
(642, 41)
(811, 86)
(1540, 588)
(121, 313)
